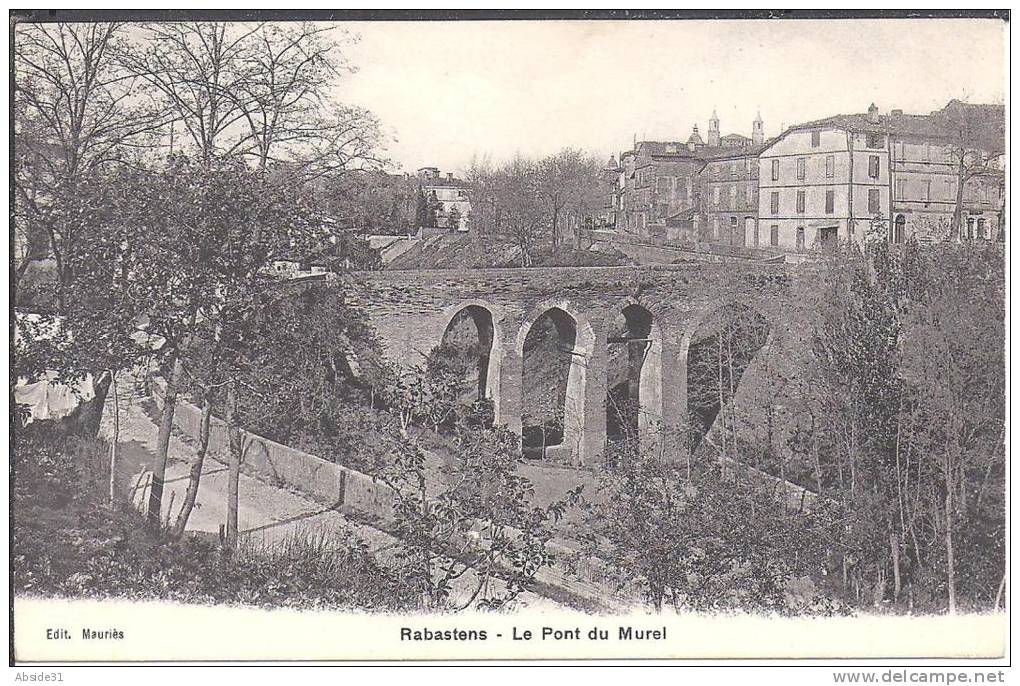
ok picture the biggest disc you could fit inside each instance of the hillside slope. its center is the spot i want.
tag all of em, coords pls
(469, 252)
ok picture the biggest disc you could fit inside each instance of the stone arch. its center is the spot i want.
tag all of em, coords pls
(638, 328)
(689, 369)
(574, 339)
(487, 319)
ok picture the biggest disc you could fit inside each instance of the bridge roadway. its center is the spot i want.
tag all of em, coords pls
(413, 309)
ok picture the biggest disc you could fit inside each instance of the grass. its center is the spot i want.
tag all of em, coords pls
(67, 541)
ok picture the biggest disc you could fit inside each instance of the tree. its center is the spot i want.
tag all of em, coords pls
(418, 394)
(76, 114)
(976, 142)
(569, 181)
(263, 92)
(193, 245)
(470, 538)
(518, 191)
(453, 219)
(900, 415)
(693, 542)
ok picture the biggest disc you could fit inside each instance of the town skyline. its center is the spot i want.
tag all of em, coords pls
(470, 90)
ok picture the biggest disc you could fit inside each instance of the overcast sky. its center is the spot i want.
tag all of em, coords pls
(449, 90)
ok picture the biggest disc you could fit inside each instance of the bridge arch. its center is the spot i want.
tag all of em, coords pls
(480, 320)
(634, 362)
(556, 347)
(717, 345)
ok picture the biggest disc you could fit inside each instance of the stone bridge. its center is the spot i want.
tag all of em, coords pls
(657, 308)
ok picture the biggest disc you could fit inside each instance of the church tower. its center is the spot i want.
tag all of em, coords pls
(758, 130)
(713, 130)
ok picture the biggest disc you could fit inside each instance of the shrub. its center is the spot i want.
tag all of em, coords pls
(66, 541)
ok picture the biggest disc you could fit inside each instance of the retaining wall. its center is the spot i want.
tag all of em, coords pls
(326, 481)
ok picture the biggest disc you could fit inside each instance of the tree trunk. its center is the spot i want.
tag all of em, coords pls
(234, 475)
(961, 181)
(894, 547)
(950, 559)
(195, 475)
(116, 437)
(166, 423)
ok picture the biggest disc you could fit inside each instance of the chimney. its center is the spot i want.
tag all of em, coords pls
(873, 114)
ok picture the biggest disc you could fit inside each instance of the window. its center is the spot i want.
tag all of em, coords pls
(830, 166)
(775, 202)
(898, 229)
(901, 189)
(981, 229)
(775, 170)
(733, 170)
(830, 202)
(800, 202)
(733, 197)
(927, 190)
(874, 201)
(715, 196)
(774, 235)
(873, 166)
(800, 239)
(801, 166)
(876, 140)
(816, 139)
(661, 184)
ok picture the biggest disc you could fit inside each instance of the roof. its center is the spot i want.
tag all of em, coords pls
(732, 153)
(450, 183)
(984, 123)
(734, 137)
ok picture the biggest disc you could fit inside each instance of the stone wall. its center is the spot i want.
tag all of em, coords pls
(280, 465)
(412, 309)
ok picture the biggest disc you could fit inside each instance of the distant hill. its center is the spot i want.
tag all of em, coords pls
(469, 252)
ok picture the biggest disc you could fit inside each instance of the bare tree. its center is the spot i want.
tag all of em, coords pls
(258, 91)
(199, 72)
(566, 181)
(976, 144)
(518, 194)
(77, 111)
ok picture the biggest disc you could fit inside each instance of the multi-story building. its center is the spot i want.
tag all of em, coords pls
(728, 196)
(851, 177)
(449, 195)
(657, 182)
(925, 163)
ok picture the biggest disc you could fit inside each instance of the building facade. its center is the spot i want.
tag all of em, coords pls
(449, 196)
(865, 176)
(656, 195)
(728, 197)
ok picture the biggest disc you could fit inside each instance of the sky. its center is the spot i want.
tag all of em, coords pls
(447, 91)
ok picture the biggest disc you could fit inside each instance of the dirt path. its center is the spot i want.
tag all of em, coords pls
(266, 513)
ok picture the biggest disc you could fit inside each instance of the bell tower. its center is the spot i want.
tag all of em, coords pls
(713, 130)
(758, 130)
